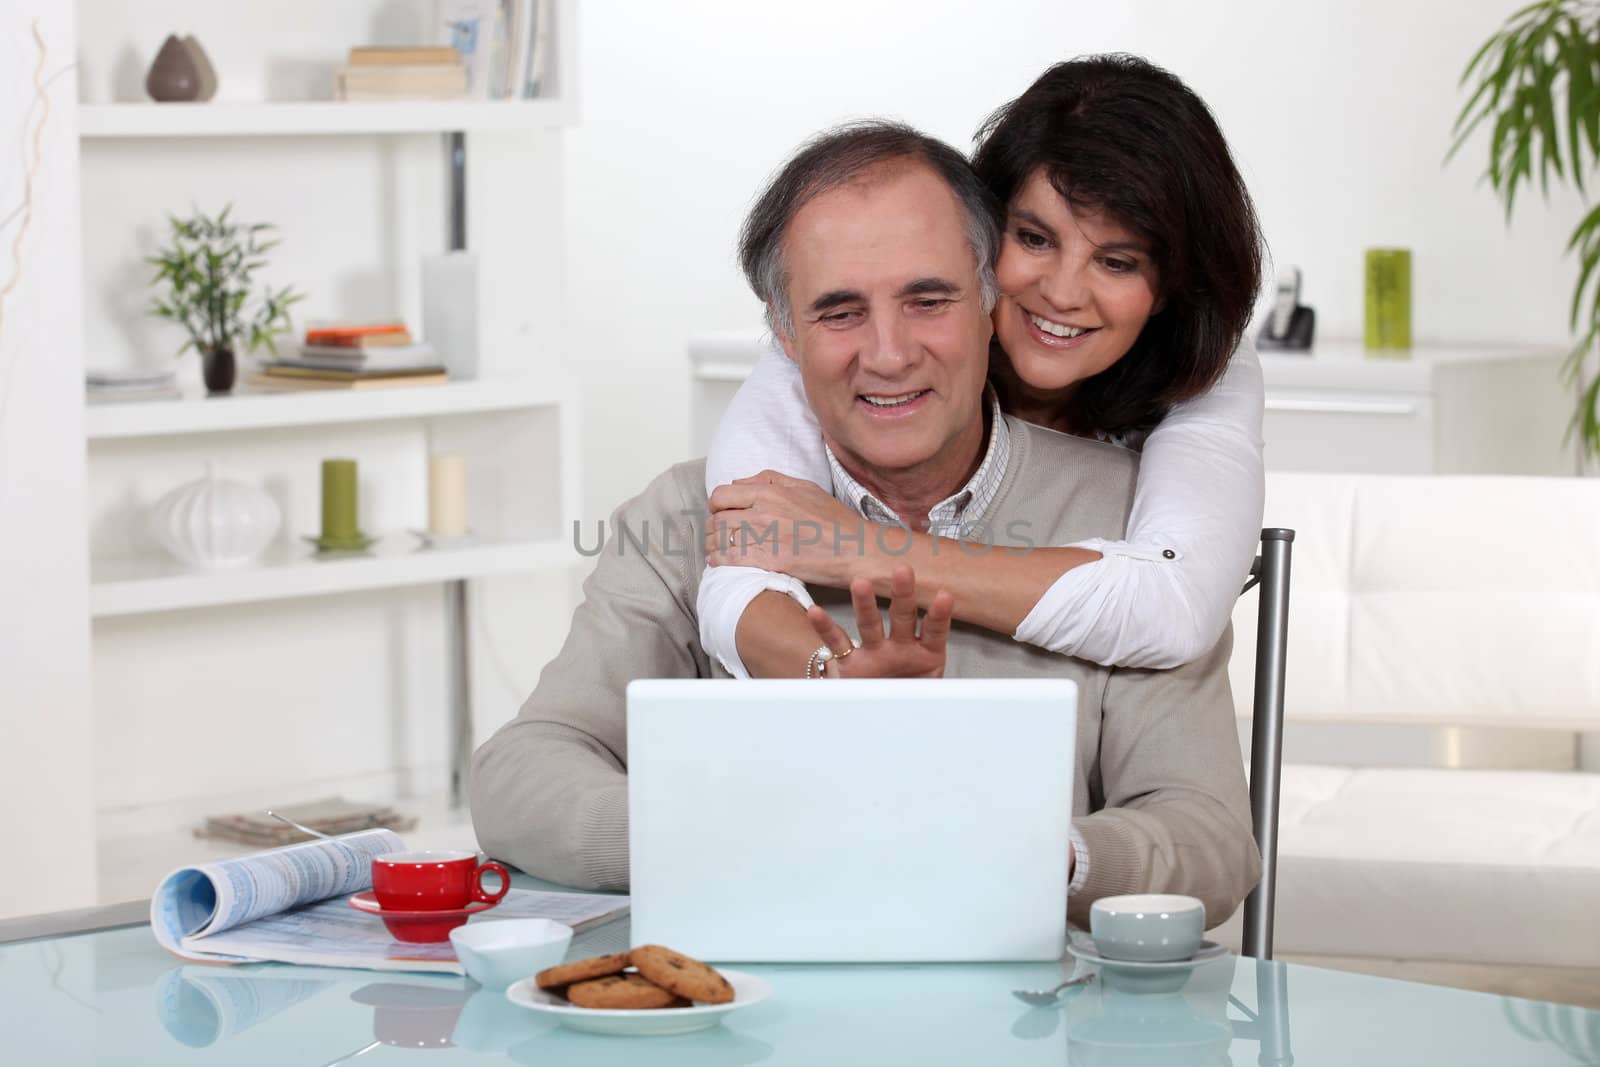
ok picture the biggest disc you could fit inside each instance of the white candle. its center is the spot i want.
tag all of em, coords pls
(447, 496)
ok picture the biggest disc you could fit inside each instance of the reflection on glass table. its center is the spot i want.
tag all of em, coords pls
(114, 997)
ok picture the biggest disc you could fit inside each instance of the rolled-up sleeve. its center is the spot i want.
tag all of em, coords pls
(1161, 597)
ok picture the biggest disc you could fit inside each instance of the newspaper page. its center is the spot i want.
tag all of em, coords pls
(333, 934)
(290, 905)
(193, 902)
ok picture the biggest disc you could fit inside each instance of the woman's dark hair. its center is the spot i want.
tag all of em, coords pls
(1117, 134)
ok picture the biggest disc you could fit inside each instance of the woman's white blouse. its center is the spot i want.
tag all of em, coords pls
(1160, 598)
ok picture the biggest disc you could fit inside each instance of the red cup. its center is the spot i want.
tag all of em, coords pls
(433, 881)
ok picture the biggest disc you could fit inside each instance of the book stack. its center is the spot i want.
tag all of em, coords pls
(354, 356)
(402, 74)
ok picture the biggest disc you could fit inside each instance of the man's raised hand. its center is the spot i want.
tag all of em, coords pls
(904, 652)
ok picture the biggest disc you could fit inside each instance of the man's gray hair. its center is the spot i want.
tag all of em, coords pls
(837, 157)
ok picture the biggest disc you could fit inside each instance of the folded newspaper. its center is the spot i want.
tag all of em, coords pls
(290, 905)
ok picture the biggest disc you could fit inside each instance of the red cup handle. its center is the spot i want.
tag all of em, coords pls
(478, 892)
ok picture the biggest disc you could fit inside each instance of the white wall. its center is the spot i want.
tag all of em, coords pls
(46, 770)
(1339, 112)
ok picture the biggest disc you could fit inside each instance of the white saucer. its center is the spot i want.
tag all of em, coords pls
(1084, 949)
(747, 990)
(1142, 976)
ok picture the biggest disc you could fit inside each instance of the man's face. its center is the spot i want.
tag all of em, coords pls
(889, 328)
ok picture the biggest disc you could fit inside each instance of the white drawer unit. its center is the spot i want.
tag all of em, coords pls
(1443, 409)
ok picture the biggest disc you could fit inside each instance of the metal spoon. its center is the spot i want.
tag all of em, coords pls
(347, 1057)
(1043, 998)
(297, 826)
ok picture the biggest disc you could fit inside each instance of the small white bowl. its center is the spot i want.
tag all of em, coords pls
(498, 952)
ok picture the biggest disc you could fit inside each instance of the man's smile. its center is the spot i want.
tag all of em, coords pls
(894, 405)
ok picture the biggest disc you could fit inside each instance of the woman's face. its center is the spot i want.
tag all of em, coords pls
(1075, 288)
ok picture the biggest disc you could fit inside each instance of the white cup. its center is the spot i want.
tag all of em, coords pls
(1147, 927)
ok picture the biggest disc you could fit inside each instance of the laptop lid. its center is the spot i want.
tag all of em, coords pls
(851, 820)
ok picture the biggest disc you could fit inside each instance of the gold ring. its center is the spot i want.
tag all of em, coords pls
(846, 652)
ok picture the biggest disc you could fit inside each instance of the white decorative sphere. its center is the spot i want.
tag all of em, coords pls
(214, 523)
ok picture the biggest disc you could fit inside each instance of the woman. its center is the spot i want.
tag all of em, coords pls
(1129, 267)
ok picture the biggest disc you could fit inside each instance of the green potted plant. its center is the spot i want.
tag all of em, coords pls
(207, 271)
(1536, 83)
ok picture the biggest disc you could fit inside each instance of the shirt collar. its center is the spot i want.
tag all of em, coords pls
(947, 516)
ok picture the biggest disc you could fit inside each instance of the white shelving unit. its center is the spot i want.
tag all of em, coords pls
(244, 410)
(515, 425)
(144, 584)
(317, 118)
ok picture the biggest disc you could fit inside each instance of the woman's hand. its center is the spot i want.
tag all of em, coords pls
(788, 525)
(904, 653)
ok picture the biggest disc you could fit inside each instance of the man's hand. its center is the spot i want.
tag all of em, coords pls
(904, 653)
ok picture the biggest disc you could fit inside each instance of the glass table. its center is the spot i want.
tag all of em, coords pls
(112, 997)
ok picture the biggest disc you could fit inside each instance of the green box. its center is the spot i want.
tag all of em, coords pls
(1388, 299)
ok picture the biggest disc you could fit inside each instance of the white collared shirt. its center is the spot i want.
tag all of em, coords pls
(948, 517)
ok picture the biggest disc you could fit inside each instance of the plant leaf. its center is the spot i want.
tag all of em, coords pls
(1586, 239)
(1542, 104)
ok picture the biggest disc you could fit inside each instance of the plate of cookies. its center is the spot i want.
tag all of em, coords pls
(647, 990)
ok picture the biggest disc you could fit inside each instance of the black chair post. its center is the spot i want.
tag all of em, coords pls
(1266, 733)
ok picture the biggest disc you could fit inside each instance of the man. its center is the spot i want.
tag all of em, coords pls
(876, 259)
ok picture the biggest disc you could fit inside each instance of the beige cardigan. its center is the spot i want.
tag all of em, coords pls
(1159, 795)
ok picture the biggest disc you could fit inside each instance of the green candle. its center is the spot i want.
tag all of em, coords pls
(1388, 300)
(339, 500)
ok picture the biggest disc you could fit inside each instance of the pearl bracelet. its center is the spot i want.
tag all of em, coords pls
(817, 662)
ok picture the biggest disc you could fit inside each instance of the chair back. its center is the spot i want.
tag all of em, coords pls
(1271, 573)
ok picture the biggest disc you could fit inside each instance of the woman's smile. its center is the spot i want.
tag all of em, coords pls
(1076, 288)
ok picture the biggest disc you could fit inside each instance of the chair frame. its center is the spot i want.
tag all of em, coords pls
(1271, 572)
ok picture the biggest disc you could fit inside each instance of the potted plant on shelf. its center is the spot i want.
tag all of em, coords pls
(207, 271)
(1538, 89)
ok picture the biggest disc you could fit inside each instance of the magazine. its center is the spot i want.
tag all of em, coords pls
(468, 26)
(290, 905)
(329, 816)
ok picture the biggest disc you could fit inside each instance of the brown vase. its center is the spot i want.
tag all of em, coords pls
(174, 77)
(218, 369)
(202, 62)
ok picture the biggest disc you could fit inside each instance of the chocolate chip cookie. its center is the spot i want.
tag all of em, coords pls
(677, 973)
(625, 991)
(581, 970)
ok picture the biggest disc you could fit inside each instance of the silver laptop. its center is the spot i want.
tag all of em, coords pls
(847, 821)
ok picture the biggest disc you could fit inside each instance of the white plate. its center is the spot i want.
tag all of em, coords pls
(747, 990)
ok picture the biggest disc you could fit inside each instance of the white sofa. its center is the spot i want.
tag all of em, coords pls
(1451, 621)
